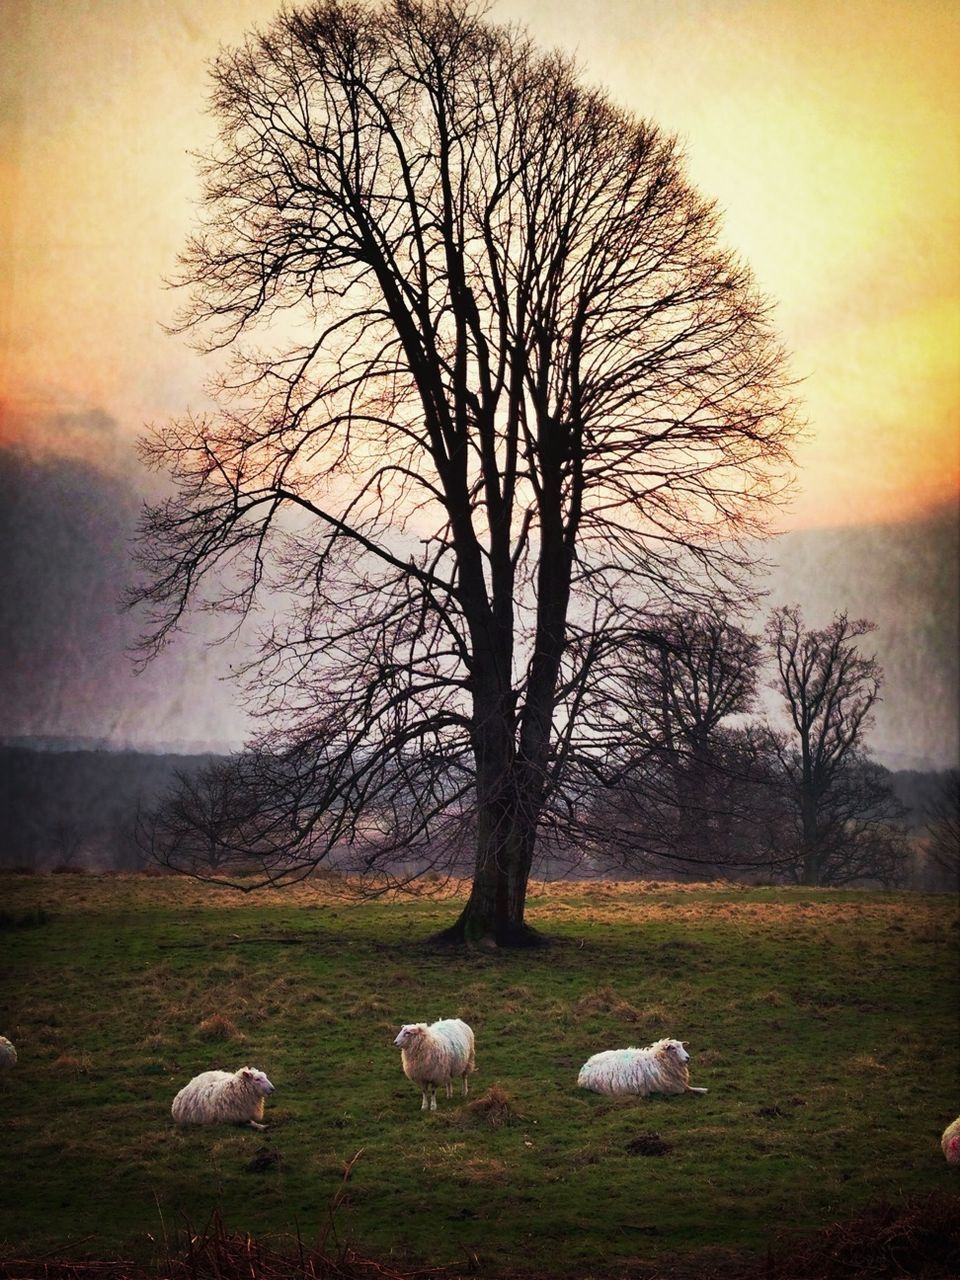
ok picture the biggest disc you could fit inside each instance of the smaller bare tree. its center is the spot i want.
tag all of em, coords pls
(845, 814)
(943, 827)
(683, 790)
(206, 820)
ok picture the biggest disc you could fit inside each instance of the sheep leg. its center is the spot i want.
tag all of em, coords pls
(466, 1084)
(425, 1104)
(692, 1089)
(254, 1124)
(433, 1097)
(449, 1088)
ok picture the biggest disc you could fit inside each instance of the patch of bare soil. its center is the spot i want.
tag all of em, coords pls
(265, 1161)
(648, 1144)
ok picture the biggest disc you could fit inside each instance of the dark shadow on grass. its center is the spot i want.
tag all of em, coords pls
(512, 937)
(917, 1237)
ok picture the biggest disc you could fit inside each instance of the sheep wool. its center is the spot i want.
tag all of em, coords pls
(8, 1054)
(660, 1068)
(436, 1055)
(222, 1097)
(950, 1142)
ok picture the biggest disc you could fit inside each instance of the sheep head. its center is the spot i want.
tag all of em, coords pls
(409, 1032)
(258, 1079)
(676, 1049)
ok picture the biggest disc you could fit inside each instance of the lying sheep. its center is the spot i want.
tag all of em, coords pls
(8, 1054)
(661, 1068)
(217, 1097)
(950, 1142)
(436, 1055)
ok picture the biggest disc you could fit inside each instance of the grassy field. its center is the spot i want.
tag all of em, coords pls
(823, 1023)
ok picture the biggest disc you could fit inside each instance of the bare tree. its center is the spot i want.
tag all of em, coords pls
(845, 814)
(693, 671)
(681, 788)
(495, 387)
(209, 819)
(703, 671)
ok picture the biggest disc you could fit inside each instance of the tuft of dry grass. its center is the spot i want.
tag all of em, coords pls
(775, 999)
(867, 1062)
(79, 1063)
(708, 1058)
(481, 1169)
(494, 1108)
(370, 1004)
(606, 1000)
(455, 1164)
(217, 1027)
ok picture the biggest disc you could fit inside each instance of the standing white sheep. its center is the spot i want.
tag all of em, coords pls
(219, 1097)
(8, 1054)
(436, 1055)
(950, 1142)
(661, 1068)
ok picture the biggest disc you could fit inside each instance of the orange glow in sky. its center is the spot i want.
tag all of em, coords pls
(829, 134)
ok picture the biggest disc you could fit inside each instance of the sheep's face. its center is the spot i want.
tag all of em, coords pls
(408, 1033)
(675, 1048)
(259, 1079)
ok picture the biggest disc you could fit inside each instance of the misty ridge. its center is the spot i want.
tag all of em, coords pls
(62, 807)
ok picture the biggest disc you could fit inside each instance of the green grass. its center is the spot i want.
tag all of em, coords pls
(824, 1024)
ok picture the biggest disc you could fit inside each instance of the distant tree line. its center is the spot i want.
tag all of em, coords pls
(683, 779)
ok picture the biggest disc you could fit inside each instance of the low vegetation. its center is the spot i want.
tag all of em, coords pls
(823, 1023)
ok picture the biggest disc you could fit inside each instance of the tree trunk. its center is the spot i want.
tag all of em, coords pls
(511, 776)
(809, 839)
(494, 912)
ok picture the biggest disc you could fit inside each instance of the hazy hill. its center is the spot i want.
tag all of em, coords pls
(78, 807)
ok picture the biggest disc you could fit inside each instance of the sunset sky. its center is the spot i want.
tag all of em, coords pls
(828, 132)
